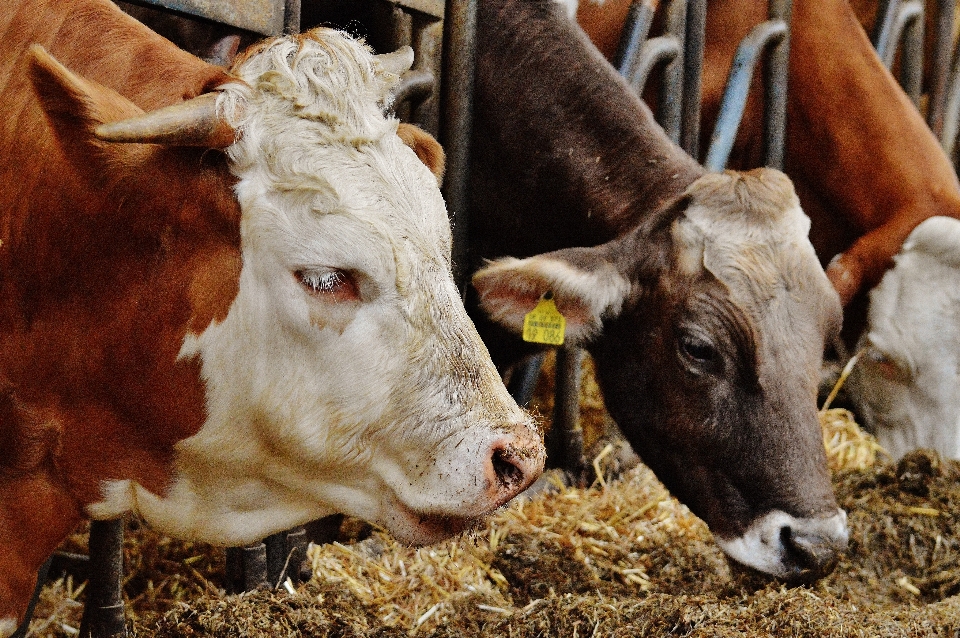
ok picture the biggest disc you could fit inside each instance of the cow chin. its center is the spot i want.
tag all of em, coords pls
(412, 528)
(795, 550)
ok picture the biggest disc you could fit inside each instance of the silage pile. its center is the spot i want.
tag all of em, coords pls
(620, 558)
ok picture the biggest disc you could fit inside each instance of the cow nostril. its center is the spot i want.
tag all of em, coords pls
(813, 556)
(507, 471)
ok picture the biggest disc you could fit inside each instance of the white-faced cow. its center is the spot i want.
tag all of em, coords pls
(907, 380)
(227, 344)
(701, 300)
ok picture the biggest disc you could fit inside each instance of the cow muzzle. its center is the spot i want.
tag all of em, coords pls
(795, 550)
(513, 463)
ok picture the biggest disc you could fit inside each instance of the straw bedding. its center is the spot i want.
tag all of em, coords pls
(620, 558)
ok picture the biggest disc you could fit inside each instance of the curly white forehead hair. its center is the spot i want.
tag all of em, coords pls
(322, 76)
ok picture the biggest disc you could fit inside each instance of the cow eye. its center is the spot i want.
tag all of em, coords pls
(329, 284)
(886, 365)
(697, 350)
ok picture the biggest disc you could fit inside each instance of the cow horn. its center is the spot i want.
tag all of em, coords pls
(397, 62)
(191, 123)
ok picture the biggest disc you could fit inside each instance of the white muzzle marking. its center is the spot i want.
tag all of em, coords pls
(762, 548)
(7, 627)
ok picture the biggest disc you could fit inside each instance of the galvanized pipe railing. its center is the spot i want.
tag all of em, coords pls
(693, 76)
(900, 22)
(456, 122)
(637, 58)
(940, 65)
(735, 93)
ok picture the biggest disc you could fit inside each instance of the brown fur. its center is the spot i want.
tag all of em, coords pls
(110, 254)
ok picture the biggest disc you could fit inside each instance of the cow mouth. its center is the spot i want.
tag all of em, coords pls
(437, 527)
(420, 528)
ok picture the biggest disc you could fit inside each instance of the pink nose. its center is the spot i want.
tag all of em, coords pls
(513, 464)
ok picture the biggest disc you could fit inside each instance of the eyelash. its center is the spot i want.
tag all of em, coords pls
(329, 284)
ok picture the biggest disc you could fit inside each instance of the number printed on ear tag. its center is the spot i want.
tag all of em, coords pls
(544, 324)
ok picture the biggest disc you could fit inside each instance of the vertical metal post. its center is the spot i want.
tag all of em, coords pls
(24, 627)
(693, 76)
(911, 58)
(940, 66)
(634, 34)
(564, 441)
(671, 91)
(285, 553)
(456, 122)
(103, 613)
(246, 568)
(291, 16)
(775, 89)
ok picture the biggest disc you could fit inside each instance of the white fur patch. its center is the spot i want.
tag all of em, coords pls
(118, 499)
(571, 6)
(584, 297)
(907, 380)
(7, 627)
(761, 546)
(386, 408)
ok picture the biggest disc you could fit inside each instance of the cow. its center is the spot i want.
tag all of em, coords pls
(864, 163)
(698, 295)
(228, 305)
(907, 380)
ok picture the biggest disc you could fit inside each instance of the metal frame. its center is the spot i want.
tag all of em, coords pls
(900, 25)
(773, 37)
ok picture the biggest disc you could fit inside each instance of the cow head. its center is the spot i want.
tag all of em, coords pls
(341, 373)
(707, 325)
(907, 379)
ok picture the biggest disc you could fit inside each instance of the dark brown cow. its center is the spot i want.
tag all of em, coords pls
(701, 299)
(227, 344)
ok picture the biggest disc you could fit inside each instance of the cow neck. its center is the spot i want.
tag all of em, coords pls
(897, 170)
(569, 125)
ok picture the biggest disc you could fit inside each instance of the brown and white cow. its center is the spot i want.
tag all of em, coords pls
(700, 296)
(227, 344)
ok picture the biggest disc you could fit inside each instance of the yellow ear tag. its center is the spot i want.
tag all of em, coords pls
(544, 324)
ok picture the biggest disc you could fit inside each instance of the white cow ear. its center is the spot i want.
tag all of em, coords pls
(585, 287)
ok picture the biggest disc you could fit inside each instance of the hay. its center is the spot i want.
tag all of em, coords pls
(620, 558)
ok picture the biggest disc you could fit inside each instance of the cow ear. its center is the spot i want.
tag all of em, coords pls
(73, 101)
(427, 149)
(585, 287)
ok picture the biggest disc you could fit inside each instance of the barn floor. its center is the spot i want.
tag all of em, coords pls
(621, 558)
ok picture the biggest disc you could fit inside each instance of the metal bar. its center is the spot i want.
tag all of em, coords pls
(903, 14)
(951, 116)
(910, 23)
(246, 568)
(456, 122)
(886, 12)
(671, 91)
(940, 65)
(775, 88)
(285, 553)
(738, 86)
(564, 442)
(414, 86)
(21, 631)
(634, 34)
(523, 380)
(693, 76)
(103, 613)
(266, 17)
(654, 51)
(291, 17)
